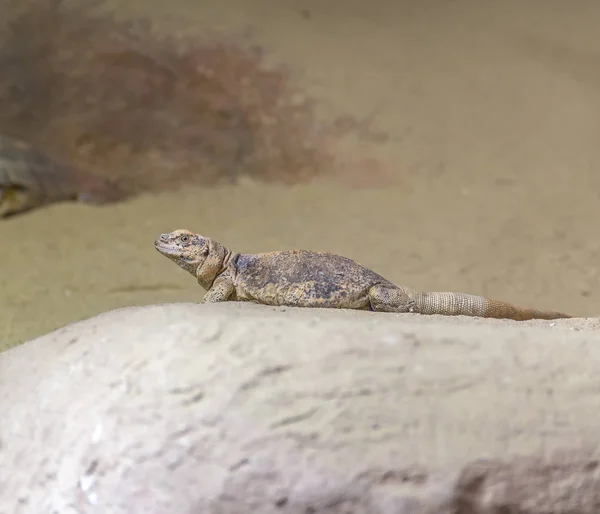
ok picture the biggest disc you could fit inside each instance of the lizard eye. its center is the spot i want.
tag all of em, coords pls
(185, 239)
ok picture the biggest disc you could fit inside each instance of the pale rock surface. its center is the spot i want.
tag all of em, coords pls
(231, 408)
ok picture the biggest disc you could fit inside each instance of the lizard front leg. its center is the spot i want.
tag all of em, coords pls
(220, 291)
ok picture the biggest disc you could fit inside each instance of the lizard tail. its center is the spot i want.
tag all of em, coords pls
(456, 304)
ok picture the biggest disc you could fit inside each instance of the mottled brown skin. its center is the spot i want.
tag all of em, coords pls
(304, 278)
(30, 179)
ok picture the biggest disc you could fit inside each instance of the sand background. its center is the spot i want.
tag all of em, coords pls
(489, 181)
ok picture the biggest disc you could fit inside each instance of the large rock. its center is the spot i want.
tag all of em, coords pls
(189, 409)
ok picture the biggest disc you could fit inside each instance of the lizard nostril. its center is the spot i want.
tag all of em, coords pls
(163, 237)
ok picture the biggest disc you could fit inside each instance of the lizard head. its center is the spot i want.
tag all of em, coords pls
(13, 200)
(185, 248)
(17, 199)
(29, 179)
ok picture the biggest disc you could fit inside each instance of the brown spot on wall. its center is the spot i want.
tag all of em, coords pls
(154, 111)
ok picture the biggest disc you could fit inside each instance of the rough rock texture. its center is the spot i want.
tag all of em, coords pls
(240, 408)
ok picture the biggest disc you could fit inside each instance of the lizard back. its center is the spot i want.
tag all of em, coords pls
(304, 277)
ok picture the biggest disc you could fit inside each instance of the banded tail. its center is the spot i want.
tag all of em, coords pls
(457, 304)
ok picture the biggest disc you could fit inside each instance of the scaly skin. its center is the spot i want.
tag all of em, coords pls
(303, 278)
(30, 179)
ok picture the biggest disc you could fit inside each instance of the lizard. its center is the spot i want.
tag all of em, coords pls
(30, 179)
(305, 278)
(150, 111)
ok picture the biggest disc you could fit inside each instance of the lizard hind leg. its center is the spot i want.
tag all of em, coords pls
(390, 299)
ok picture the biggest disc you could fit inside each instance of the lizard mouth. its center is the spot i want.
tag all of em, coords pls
(167, 249)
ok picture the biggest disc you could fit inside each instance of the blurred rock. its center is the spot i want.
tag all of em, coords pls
(234, 408)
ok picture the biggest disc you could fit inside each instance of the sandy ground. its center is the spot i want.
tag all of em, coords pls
(494, 115)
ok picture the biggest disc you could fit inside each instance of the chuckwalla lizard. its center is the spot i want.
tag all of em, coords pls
(304, 278)
(30, 179)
